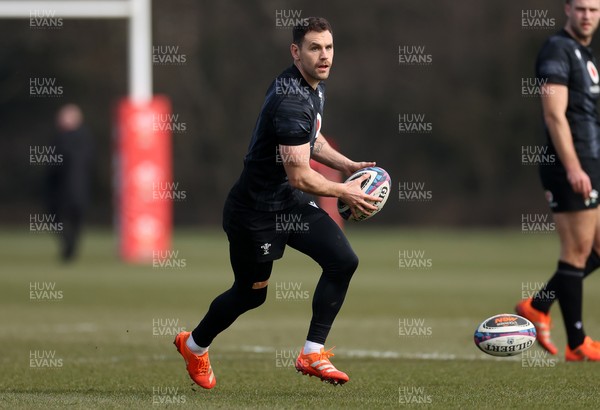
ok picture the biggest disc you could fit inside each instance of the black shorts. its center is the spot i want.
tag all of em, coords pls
(264, 235)
(560, 194)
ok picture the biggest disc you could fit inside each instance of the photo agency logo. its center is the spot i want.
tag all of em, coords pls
(531, 289)
(413, 191)
(44, 19)
(537, 359)
(162, 395)
(288, 154)
(412, 259)
(44, 223)
(413, 327)
(168, 55)
(289, 18)
(535, 87)
(168, 122)
(537, 19)
(290, 86)
(168, 191)
(42, 87)
(44, 155)
(409, 123)
(537, 223)
(413, 395)
(167, 259)
(414, 55)
(166, 327)
(286, 358)
(44, 359)
(290, 291)
(45, 292)
(290, 223)
(536, 155)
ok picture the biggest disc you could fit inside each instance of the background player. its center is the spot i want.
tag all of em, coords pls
(272, 185)
(68, 184)
(569, 99)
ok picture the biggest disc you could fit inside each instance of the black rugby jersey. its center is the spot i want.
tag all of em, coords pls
(562, 60)
(291, 115)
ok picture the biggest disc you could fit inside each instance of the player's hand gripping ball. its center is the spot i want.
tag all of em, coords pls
(378, 184)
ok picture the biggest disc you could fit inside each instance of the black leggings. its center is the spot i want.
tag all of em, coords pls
(325, 243)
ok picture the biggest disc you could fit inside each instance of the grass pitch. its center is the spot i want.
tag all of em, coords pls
(98, 333)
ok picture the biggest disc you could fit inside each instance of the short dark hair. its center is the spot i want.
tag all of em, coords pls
(317, 24)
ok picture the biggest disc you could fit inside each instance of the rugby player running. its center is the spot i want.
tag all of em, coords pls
(274, 183)
(567, 67)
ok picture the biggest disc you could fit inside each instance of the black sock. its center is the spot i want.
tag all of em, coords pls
(544, 298)
(224, 310)
(327, 302)
(327, 245)
(570, 298)
(329, 296)
(592, 263)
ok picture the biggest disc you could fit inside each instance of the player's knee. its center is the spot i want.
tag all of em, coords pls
(257, 296)
(248, 296)
(351, 263)
(345, 265)
(578, 254)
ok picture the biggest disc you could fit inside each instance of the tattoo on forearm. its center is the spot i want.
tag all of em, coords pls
(318, 147)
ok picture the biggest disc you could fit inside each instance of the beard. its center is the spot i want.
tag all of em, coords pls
(320, 76)
(314, 73)
(580, 32)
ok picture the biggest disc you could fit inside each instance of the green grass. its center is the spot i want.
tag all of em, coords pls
(107, 354)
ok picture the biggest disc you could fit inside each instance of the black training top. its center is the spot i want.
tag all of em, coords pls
(291, 115)
(562, 60)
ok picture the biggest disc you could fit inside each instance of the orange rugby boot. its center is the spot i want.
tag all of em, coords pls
(318, 364)
(541, 321)
(588, 350)
(198, 366)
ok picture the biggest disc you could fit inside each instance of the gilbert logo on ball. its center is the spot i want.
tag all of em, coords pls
(378, 184)
(505, 335)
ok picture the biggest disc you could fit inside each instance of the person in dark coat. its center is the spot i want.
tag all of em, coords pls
(69, 180)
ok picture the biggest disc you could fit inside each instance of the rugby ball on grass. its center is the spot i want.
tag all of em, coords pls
(505, 335)
(378, 184)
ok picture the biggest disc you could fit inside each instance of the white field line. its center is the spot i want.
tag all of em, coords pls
(377, 354)
(355, 353)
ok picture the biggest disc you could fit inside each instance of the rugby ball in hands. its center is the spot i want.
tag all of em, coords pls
(505, 335)
(378, 184)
